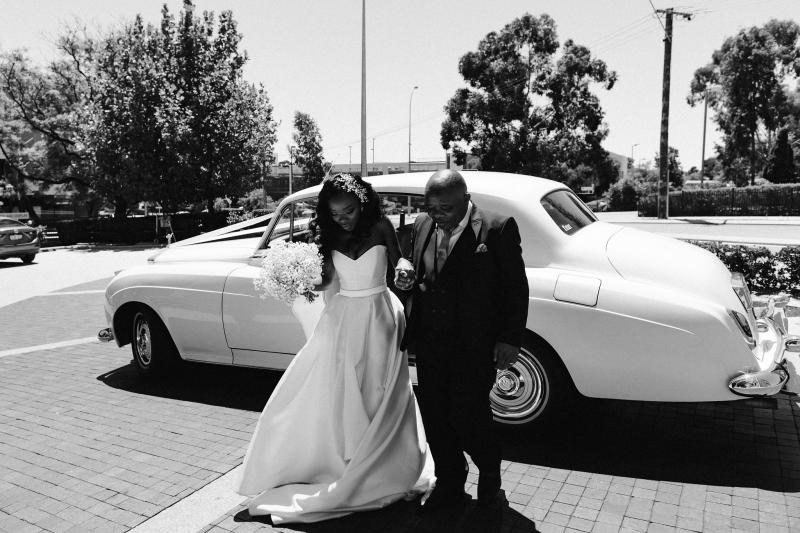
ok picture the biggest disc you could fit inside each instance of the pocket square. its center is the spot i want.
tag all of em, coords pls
(481, 249)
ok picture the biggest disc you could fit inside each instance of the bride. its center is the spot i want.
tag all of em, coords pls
(342, 431)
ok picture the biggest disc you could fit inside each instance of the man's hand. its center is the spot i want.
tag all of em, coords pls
(505, 355)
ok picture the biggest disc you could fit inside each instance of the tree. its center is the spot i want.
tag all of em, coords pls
(527, 110)
(44, 116)
(308, 146)
(745, 86)
(674, 168)
(176, 122)
(780, 166)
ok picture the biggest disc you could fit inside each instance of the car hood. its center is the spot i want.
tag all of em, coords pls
(649, 258)
(239, 250)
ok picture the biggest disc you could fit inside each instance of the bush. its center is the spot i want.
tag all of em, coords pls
(782, 200)
(132, 230)
(622, 195)
(765, 272)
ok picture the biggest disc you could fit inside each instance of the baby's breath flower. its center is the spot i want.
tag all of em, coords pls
(289, 270)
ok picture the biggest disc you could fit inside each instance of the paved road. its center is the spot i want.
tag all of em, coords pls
(764, 230)
(85, 445)
(56, 269)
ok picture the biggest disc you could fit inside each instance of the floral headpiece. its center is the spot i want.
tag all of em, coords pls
(347, 182)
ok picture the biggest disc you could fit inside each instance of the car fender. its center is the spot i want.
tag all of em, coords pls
(187, 297)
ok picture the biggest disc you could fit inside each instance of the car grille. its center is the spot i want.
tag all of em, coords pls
(10, 238)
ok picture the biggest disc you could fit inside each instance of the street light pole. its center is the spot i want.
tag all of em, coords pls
(410, 98)
(291, 169)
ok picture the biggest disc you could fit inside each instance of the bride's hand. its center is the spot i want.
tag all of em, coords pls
(404, 275)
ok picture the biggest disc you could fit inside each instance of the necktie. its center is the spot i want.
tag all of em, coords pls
(442, 244)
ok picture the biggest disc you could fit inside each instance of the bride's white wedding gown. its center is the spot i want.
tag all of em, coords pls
(342, 431)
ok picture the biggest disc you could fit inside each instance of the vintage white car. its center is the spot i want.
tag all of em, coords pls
(613, 312)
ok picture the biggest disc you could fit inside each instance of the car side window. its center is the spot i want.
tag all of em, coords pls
(292, 224)
(402, 209)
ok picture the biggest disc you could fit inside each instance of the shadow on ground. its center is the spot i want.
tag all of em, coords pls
(750, 443)
(404, 517)
(223, 386)
(13, 263)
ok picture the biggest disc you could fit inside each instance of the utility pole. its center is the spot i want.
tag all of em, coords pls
(663, 175)
(364, 172)
(703, 154)
(373, 150)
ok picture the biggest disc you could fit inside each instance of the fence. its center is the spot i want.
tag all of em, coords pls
(759, 201)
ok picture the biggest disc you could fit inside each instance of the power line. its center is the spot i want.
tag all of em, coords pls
(655, 11)
(617, 37)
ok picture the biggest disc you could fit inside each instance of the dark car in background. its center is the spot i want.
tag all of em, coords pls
(18, 240)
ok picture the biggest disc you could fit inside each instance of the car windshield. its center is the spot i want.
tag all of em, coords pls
(7, 222)
(567, 211)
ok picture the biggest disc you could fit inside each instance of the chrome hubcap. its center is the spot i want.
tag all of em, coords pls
(507, 382)
(143, 341)
(520, 391)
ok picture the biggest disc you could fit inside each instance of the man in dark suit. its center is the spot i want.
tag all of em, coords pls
(466, 319)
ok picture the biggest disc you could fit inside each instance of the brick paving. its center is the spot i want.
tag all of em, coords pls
(85, 445)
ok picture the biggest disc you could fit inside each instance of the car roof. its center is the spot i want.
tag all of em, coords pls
(516, 195)
(478, 182)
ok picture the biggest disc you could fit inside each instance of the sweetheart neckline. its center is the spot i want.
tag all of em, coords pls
(360, 256)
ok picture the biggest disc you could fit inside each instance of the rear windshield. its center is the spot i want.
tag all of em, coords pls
(567, 211)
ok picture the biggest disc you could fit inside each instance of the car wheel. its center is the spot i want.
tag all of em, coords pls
(532, 389)
(28, 259)
(152, 347)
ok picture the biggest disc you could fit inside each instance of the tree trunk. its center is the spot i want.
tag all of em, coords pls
(753, 159)
(120, 208)
(25, 204)
(210, 205)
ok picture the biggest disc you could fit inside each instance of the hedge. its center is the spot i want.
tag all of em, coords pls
(766, 272)
(783, 200)
(136, 229)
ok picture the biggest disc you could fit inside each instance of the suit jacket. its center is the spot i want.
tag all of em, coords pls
(484, 275)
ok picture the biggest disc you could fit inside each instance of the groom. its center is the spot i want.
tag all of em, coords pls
(466, 319)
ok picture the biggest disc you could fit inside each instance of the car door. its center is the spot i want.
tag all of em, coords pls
(264, 332)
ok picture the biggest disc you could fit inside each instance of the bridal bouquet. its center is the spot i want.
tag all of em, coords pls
(289, 270)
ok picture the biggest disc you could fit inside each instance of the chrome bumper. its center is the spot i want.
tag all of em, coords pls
(772, 325)
(764, 383)
(105, 335)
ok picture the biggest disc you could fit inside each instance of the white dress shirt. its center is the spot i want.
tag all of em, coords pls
(439, 234)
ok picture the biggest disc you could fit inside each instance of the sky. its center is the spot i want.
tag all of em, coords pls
(307, 55)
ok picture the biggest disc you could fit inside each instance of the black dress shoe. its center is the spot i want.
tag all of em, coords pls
(489, 492)
(443, 497)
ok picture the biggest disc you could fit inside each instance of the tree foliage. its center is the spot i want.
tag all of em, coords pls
(745, 86)
(674, 167)
(529, 107)
(308, 146)
(44, 113)
(780, 167)
(177, 123)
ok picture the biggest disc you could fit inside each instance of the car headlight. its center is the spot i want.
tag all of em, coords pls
(739, 286)
(744, 327)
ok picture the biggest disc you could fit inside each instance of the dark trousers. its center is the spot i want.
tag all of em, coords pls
(453, 394)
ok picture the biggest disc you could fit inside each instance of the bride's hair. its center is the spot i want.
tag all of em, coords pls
(323, 229)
